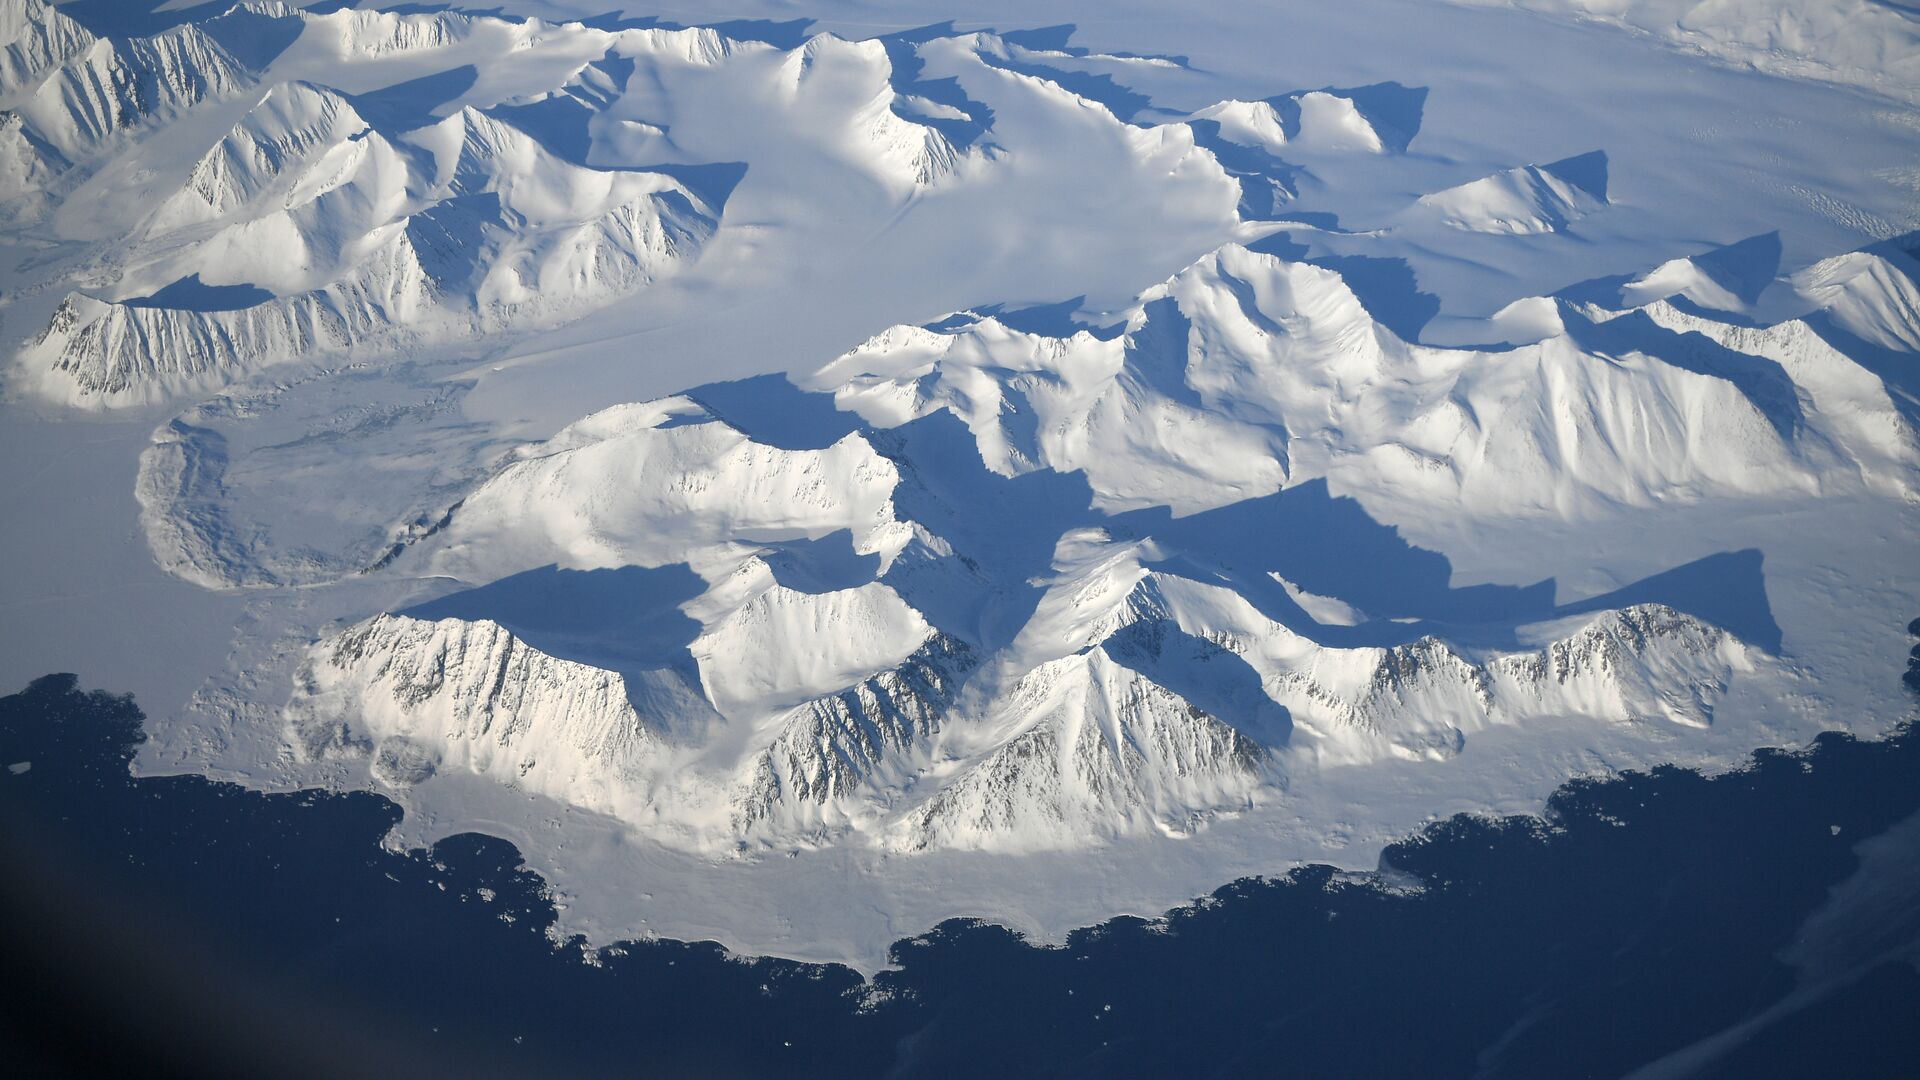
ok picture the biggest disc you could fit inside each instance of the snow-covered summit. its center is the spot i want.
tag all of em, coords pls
(1298, 465)
(1523, 201)
(881, 670)
(1245, 371)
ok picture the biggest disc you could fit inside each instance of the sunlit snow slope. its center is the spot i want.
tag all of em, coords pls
(823, 468)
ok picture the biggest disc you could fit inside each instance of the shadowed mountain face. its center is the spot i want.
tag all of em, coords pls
(1223, 467)
(1662, 900)
(1325, 544)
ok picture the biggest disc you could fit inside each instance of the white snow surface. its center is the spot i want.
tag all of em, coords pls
(804, 481)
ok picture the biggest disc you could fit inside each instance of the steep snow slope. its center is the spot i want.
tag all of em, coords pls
(467, 695)
(1098, 749)
(299, 142)
(111, 87)
(842, 712)
(35, 38)
(395, 218)
(1872, 295)
(1249, 371)
(1310, 120)
(827, 69)
(1151, 683)
(407, 283)
(1527, 200)
(657, 483)
(1418, 483)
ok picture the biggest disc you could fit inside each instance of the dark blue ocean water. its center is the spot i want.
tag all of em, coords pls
(174, 925)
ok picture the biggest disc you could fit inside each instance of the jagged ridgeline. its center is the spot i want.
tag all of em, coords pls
(1015, 584)
(291, 218)
(951, 608)
(256, 188)
(879, 640)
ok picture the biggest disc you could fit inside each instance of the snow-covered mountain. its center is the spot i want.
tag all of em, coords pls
(343, 236)
(35, 37)
(1311, 120)
(326, 220)
(850, 461)
(1246, 372)
(872, 664)
(108, 88)
(1523, 201)
(843, 712)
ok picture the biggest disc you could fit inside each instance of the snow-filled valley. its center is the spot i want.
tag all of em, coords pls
(804, 479)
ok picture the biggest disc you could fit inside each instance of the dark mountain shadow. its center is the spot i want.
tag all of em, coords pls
(559, 124)
(1395, 112)
(1587, 171)
(1124, 102)
(192, 294)
(1052, 320)
(1329, 545)
(626, 620)
(1387, 288)
(828, 564)
(779, 33)
(1744, 268)
(1761, 381)
(1215, 680)
(1157, 355)
(453, 237)
(713, 182)
(1332, 547)
(407, 105)
(771, 410)
(903, 56)
(1054, 38)
(135, 18)
(562, 126)
(1903, 251)
(1267, 184)
(1728, 590)
(1006, 527)
(255, 38)
(608, 80)
(1057, 38)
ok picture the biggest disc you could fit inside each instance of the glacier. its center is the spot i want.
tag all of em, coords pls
(880, 473)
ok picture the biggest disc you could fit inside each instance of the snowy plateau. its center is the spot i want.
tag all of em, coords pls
(807, 476)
